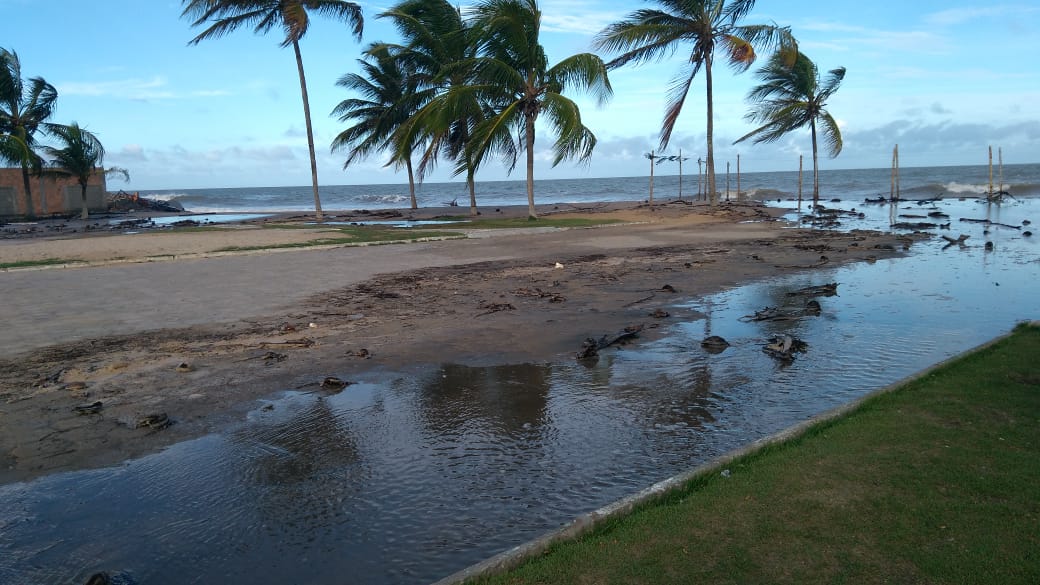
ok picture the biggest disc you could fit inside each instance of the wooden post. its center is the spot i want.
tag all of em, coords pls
(680, 174)
(651, 180)
(738, 177)
(699, 187)
(800, 157)
(1000, 170)
(727, 180)
(991, 170)
(894, 191)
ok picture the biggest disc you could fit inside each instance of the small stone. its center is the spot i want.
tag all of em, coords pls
(184, 367)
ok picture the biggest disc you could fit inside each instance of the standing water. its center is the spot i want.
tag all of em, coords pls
(408, 477)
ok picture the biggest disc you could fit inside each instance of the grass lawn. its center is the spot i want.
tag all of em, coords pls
(33, 263)
(936, 482)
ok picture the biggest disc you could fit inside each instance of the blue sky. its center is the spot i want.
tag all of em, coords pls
(943, 79)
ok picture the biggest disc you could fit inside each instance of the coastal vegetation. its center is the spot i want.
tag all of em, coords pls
(79, 156)
(390, 95)
(650, 34)
(931, 483)
(792, 97)
(293, 17)
(25, 109)
(487, 80)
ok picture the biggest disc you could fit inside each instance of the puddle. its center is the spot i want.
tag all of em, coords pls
(408, 478)
(203, 219)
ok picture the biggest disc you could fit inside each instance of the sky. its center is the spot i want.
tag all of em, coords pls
(944, 80)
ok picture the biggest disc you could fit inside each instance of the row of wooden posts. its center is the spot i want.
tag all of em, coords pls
(893, 193)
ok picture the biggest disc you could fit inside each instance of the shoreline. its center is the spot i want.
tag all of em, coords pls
(201, 340)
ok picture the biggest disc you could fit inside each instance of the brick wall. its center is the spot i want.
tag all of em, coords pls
(50, 194)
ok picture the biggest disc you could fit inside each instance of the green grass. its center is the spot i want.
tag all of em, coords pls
(353, 235)
(936, 482)
(43, 262)
(525, 222)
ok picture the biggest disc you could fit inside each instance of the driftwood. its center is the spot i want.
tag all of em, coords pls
(988, 222)
(914, 225)
(783, 347)
(821, 290)
(959, 241)
(811, 309)
(590, 347)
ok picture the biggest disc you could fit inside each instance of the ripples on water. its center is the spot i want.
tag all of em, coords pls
(407, 478)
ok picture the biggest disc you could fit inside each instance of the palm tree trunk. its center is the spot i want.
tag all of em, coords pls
(29, 211)
(83, 193)
(411, 183)
(815, 167)
(712, 193)
(310, 132)
(471, 184)
(529, 140)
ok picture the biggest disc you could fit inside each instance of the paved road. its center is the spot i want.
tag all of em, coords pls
(44, 307)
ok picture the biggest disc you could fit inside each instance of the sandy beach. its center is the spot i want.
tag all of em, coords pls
(159, 327)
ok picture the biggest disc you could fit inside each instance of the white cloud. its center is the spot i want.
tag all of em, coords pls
(955, 16)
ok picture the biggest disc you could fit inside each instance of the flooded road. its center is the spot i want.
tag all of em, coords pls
(408, 477)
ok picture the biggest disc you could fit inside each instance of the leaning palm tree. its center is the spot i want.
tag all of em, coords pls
(80, 156)
(707, 25)
(24, 111)
(389, 98)
(517, 78)
(440, 47)
(293, 16)
(793, 97)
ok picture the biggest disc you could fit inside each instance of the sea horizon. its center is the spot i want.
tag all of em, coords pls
(1020, 179)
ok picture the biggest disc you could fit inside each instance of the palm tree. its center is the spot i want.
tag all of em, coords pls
(390, 97)
(24, 111)
(81, 155)
(293, 16)
(440, 48)
(518, 80)
(650, 34)
(792, 97)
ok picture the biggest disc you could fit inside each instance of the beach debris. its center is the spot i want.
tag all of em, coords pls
(494, 307)
(286, 327)
(919, 225)
(156, 421)
(537, 292)
(951, 241)
(332, 383)
(558, 266)
(84, 409)
(75, 386)
(271, 357)
(301, 342)
(184, 367)
(668, 288)
(783, 347)
(820, 290)
(660, 314)
(360, 353)
(989, 223)
(590, 347)
(714, 344)
(988, 246)
(812, 309)
(312, 325)
(1027, 233)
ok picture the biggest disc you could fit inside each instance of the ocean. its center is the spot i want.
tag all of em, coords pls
(1020, 180)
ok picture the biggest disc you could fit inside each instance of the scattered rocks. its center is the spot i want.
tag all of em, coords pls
(334, 384)
(714, 344)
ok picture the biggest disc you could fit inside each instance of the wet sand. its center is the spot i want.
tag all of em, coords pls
(199, 336)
